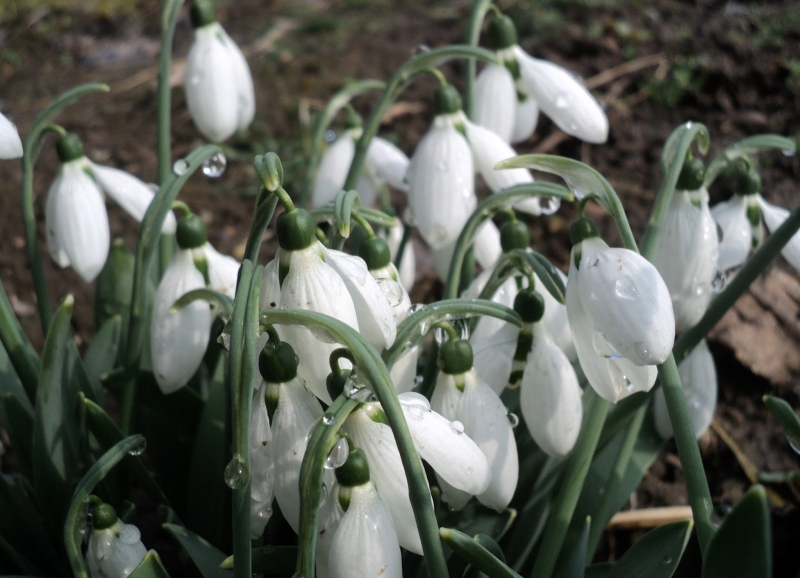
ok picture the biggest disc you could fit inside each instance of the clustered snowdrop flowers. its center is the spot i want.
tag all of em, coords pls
(75, 215)
(509, 95)
(178, 339)
(218, 84)
(115, 549)
(10, 143)
(620, 314)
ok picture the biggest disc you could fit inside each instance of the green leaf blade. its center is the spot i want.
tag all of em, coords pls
(657, 554)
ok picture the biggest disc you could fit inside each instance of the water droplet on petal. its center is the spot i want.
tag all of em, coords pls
(457, 427)
(513, 420)
(139, 448)
(180, 167)
(419, 379)
(236, 474)
(329, 136)
(719, 282)
(602, 347)
(214, 166)
(392, 290)
(338, 455)
(550, 205)
(564, 100)
(415, 405)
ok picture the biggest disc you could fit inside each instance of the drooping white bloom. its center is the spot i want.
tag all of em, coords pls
(384, 164)
(468, 399)
(699, 380)
(114, 552)
(333, 283)
(496, 101)
(550, 396)
(218, 84)
(10, 143)
(739, 237)
(262, 465)
(443, 444)
(621, 317)
(687, 255)
(365, 542)
(774, 217)
(178, 339)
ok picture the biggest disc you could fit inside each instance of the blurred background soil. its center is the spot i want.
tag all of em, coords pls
(653, 65)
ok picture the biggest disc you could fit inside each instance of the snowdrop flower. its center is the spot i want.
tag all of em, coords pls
(688, 252)
(75, 215)
(740, 221)
(461, 395)
(441, 443)
(10, 143)
(384, 164)
(306, 275)
(115, 549)
(699, 381)
(440, 174)
(620, 314)
(178, 338)
(365, 542)
(218, 84)
(508, 97)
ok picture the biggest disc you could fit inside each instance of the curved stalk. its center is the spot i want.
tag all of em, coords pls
(265, 209)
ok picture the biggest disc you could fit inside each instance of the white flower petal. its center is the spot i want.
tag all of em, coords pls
(297, 411)
(332, 171)
(77, 221)
(270, 295)
(386, 470)
(441, 185)
(563, 98)
(489, 149)
(365, 543)
(212, 88)
(408, 266)
(494, 357)
(404, 370)
(262, 466)
(442, 258)
(550, 396)
(388, 162)
(487, 247)
(496, 100)
(736, 243)
(108, 555)
(526, 119)
(130, 193)
(222, 271)
(488, 326)
(445, 446)
(627, 301)
(10, 143)
(555, 318)
(330, 513)
(485, 420)
(774, 217)
(243, 80)
(178, 339)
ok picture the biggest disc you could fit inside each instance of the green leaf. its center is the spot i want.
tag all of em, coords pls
(785, 484)
(744, 148)
(216, 299)
(657, 554)
(270, 560)
(18, 347)
(102, 354)
(545, 271)
(151, 567)
(56, 434)
(112, 295)
(18, 422)
(208, 497)
(476, 554)
(344, 205)
(742, 546)
(601, 570)
(205, 556)
(572, 563)
(786, 415)
(475, 518)
(77, 513)
(10, 383)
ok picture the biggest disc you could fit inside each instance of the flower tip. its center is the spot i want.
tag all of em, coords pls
(227, 563)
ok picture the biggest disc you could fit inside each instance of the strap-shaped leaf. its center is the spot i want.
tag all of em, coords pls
(475, 518)
(476, 555)
(657, 554)
(572, 563)
(343, 206)
(744, 148)
(151, 567)
(18, 422)
(205, 556)
(786, 415)
(742, 546)
(102, 354)
(545, 271)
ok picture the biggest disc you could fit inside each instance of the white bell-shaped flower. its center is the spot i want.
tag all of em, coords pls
(466, 398)
(443, 444)
(115, 549)
(218, 84)
(384, 164)
(496, 100)
(774, 217)
(550, 396)
(262, 465)
(739, 236)
(699, 380)
(620, 314)
(687, 255)
(10, 143)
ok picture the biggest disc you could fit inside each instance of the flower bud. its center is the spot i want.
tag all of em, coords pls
(501, 33)
(296, 230)
(514, 235)
(191, 232)
(455, 356)
(278, 363)
(530, 305)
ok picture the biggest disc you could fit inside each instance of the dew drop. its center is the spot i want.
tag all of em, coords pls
(329, 136)
(416, 405)
(457, 427)
(419, 379)
(666, 560)
(328, 419)
(215, 165)
(338, 455)
(788, 153)
(323, 495)
(420, 49)
(414, 308)
(602, 347)
(180, 167)
(719, 282)
(236, 474)
(469, 471)
(139, 448)
(550, 205)
(689, 124)
(513, 420)
(563, 100)
(794, 443)
(392, 290)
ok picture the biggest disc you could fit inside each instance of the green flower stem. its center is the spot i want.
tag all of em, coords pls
(312, 473)
(285, 199)
(395, 86)
(339, 101)
(678, 144)
(688, 451)
(219, 302)
(484, 211)
(266, 203)
(476, 17)
(146, 247)
(373, 216)
(32, 145)
(574, 475)
(478, 556)
(401, 248)
(375, 372)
